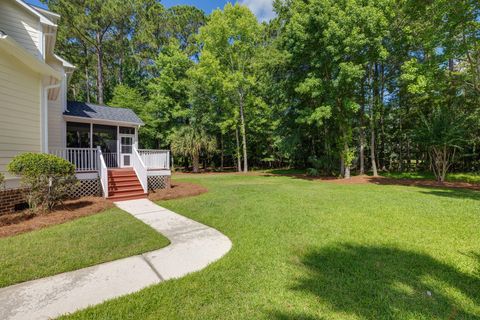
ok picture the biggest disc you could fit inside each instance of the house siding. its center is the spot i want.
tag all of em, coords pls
(56, 124)
(22, 26)
(20, 100)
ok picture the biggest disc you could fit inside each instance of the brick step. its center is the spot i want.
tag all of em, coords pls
(125, 190)
(122, 174)
(118, 184)
(123, 178)
(124, 197)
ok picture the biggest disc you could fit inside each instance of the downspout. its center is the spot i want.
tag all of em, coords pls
(44, 111)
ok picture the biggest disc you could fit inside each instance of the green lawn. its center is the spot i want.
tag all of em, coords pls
(77, 244)
(451, 177)
(315, 250)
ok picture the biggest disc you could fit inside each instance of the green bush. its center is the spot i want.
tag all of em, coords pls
(2, 180)
(46, 179)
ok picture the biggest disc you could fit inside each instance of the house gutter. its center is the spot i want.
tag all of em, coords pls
(102, 121)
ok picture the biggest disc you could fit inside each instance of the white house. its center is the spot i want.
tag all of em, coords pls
(35, 116)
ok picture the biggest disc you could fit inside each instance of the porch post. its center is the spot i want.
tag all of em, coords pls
(118, 146)
(93, 166)
(91, 135)
(136, 137)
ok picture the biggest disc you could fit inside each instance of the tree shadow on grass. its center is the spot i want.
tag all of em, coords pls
(386, 283)
(459, 190)
(455, 194)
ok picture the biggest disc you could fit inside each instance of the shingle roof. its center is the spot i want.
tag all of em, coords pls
(96, 112)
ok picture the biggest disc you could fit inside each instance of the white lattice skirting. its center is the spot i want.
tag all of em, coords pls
(90, 187)
(158, 182)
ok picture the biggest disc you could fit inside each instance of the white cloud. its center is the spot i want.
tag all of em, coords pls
(263, 9)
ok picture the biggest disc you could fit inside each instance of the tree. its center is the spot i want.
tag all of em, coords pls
(191, 142)
(94, 22)
(126, 97)
(332, 46)
(442, 134)
(229, 41)
(168, 106)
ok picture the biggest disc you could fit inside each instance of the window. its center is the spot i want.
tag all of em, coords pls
(127, 130)
(126, 144)
(105, 137)
(78, 135)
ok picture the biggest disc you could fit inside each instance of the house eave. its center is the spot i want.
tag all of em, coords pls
(101, 121)
(43, 20)
(11, 47)
(64, 62)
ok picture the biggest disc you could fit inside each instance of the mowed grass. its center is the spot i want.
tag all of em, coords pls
(84, 242)
(316, 250)
(451, 177)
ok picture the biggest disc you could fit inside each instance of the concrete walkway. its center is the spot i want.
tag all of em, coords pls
(193, 246)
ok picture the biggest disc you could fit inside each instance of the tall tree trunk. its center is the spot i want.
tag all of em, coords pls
(87, 85)
(381, 157)
(87, 76)
(342, 166)
(239, 157)
(100, 80)
(196, 162)
(120, 69)
(372, 146)
(362, 140)
(346, 162)
(244, 134)
(374, 96)
(222, 155)
(362, 152)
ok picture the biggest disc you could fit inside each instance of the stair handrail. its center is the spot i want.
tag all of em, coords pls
(140, 169)
(102, 172)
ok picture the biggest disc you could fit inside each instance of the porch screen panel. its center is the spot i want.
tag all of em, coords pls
(105, 137)
(126, 130)
(78, 135)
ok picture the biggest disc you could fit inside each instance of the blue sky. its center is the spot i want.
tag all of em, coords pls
(261, 8)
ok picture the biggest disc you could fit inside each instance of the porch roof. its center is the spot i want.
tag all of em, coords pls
(97, 112)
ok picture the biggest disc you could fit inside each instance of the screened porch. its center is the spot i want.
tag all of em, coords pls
(117, 145)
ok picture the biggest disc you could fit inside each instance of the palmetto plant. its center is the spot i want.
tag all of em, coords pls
(191, 142)
(443, 133)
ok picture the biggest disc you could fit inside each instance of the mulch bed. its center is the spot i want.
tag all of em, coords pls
(178, 190)
(25, 221)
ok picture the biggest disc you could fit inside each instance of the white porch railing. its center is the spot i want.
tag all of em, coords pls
(87, 160)
(103, 172)
(155, 159)
(84, 159)
(111, 159)
(140, 169)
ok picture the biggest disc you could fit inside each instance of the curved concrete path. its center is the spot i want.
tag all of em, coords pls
(193, 246)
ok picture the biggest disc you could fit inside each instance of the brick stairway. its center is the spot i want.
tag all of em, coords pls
(123, 184)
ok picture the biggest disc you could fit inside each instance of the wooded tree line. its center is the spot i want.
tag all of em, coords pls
(328, 85)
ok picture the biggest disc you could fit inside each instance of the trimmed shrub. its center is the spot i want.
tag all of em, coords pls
(46, 179)
(2, 180)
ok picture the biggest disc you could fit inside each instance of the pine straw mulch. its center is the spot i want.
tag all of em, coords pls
(25, 221)
(178, 190)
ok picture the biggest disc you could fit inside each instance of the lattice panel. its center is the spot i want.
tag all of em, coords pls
(90, 187)
(158, 182)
